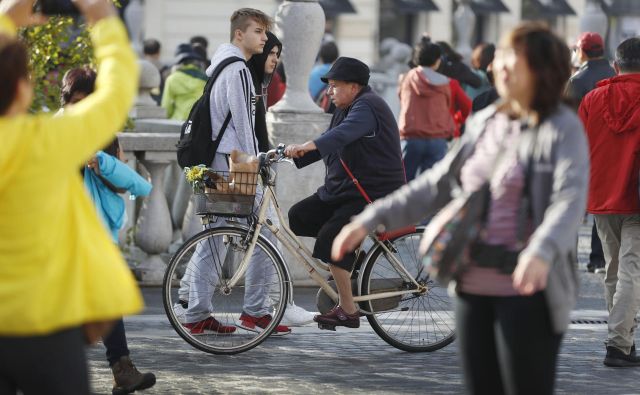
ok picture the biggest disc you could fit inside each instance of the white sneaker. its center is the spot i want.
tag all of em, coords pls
(296, 316)
(179, 312)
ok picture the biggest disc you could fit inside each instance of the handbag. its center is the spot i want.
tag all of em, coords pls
(444, 246)
(444, 243)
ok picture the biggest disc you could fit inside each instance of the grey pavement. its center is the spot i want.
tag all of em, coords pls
(350, 361)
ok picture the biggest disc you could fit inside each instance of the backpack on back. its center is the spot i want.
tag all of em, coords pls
(195, 146)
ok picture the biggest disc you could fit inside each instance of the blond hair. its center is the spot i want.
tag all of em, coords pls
(242, 18)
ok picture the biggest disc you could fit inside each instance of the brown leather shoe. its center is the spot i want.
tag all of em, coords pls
(127, 379)
(337, 317)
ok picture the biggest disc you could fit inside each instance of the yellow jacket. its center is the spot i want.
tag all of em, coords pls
(58, 266)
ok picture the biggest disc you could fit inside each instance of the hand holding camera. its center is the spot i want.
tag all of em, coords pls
(23, 15)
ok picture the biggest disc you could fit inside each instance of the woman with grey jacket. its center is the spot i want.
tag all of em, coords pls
(514, 298)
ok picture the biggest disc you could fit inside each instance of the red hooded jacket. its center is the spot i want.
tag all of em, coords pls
(424, 104)
(611, 116)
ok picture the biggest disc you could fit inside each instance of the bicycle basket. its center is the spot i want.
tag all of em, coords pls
(227, 194)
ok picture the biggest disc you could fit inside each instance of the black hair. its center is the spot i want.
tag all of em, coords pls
(628, 55)
(328, 52)
(427, 54)
(594, 53)
(151, 46)
(449, 52)
(199, 40)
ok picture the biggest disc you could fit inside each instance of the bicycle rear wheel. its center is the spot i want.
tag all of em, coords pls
(414, 322)
(196, 287)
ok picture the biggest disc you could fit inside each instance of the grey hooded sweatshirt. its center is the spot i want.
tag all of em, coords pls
(233, 90)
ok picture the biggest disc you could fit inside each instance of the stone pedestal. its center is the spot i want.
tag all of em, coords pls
(153, 232)
(301, 26)
(292, 184)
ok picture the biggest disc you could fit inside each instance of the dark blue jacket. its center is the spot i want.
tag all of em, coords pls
(586, 78)
(365, 135)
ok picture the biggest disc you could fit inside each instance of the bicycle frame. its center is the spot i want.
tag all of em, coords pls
(302, 254)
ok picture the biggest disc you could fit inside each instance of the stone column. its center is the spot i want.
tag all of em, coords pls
(464, 20)
(594, 19)
(296, 118)
(301, 25)
(154, 229)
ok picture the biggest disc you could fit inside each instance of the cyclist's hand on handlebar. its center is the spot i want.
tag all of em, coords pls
(347, 240)
(299, 150)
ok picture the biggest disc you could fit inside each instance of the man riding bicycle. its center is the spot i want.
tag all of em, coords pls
(363, 140)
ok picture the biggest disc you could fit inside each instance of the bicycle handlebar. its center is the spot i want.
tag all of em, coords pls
(272, 156)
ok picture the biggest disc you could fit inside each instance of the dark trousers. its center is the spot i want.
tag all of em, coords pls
(51, 364)
(312, 217)
(596, 257)
(116, 343)
(506, 344)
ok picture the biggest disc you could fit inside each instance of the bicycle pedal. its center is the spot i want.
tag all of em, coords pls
(327, 327)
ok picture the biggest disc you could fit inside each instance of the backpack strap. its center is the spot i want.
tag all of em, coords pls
(207, 91)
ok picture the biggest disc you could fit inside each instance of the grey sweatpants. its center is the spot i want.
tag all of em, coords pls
(202, 274)
(620, 235)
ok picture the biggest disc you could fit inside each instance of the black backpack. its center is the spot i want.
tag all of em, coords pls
(195, 146)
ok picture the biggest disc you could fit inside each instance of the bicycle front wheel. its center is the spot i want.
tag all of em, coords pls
(205, 309)
(415, 322)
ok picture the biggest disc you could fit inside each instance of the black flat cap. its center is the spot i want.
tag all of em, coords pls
(349, 70)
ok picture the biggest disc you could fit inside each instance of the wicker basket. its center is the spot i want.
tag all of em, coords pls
(230, 194)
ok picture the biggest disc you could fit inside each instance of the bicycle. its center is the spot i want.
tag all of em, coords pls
(403, 305)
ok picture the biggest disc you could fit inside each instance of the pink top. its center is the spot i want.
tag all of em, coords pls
(506, 193)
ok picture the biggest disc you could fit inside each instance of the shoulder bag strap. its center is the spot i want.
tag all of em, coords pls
(355, 182)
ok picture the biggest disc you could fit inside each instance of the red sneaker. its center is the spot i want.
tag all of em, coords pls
(210, 325)
(255, 324)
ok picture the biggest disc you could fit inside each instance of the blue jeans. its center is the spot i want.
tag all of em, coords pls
(420, 154)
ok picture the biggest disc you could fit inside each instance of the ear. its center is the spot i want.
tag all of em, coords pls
(616, 67)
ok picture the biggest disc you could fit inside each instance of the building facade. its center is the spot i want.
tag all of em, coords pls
(358, 26)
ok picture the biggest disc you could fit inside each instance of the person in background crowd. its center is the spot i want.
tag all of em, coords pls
(63, 281)
(327, 55)
(611, 115)
(514, 298)
(589, 53)
(427, 101)
(453, 67)
(262, 68)
(481, 58)
(151, 51)
(185, 84)
(105, 176)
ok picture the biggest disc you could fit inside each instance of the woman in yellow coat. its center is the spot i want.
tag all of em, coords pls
(62, 279)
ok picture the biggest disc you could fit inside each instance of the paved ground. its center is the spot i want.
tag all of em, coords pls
(350, 361)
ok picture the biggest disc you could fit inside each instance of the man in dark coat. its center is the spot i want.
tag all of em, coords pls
(362, 137)
(589, 51)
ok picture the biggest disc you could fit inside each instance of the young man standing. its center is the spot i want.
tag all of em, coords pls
(232, 93)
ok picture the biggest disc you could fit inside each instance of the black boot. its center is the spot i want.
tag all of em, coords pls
(127, 379)
(616, 358)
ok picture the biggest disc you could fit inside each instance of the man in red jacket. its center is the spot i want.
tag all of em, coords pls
(611, 116)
